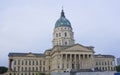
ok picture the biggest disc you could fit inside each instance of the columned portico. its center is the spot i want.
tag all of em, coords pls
(76, 62)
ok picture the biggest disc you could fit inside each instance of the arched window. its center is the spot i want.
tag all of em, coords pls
(65, 34)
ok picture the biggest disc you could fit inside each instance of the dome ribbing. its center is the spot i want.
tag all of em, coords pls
(62, 21)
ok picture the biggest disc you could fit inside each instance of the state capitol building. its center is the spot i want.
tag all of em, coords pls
(65, 55)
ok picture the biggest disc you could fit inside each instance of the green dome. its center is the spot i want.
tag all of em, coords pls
(62, 21)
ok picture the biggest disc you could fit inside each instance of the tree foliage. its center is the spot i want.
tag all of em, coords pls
(41, 74)
(3, 70)
(118, 68)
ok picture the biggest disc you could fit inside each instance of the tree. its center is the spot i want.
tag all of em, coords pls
(118, 68)
(3, 69)
(41, 73)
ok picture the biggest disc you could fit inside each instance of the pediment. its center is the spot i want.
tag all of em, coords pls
(30, 55)
(78, 47)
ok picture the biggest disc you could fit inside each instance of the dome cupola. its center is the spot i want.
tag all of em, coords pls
(62, 21)
(63, 34)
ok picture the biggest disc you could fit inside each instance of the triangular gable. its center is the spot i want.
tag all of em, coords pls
(77, 47)
(30, 54)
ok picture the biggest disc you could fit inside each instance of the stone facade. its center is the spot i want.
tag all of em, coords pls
(64, 56)
(104, 62)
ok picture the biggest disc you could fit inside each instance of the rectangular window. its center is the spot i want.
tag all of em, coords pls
(26, 62)
(40, 62)
(18, 62)
(29, 62)
(43, 69)
(40, 68)
(15, 62)
(36, 62)
(43, 62)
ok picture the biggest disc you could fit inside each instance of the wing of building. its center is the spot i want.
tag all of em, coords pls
(65, 55)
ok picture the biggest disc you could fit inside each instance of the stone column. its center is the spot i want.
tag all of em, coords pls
(83, 60)
(63, 59)
(66, 60)
(70, 61)
(10, 64)
(87, 61)
(75, 61)
(61, 64)
(79, 62)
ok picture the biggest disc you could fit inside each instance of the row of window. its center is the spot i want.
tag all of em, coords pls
(64, 28)
(59, 42)
(28, 62)
(24, 74)
(77, 56)
(59, 34)
(104, 68)
(29, 69)
(104, 63)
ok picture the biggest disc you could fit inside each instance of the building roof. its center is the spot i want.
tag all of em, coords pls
(62, 21)
(104, 56)
(24, 54)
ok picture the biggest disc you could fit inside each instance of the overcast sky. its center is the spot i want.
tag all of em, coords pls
(27, 25)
